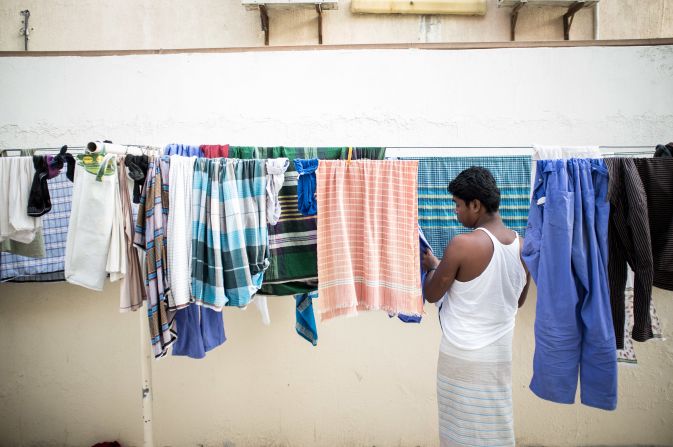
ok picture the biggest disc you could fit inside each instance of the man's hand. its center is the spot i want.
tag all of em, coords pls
(430, 261)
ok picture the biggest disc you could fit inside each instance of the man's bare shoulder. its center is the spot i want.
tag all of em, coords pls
(473, 240)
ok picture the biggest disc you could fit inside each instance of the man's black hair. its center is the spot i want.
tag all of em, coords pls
(477, 183)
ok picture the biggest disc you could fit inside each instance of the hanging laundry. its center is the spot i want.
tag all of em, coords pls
(50, 267)
(16, 176)
(275, 177)
(262, 305)
(306, 190)
(664, 150)
(230, 251)
(137, 166)
(150, 236)
(368, 254)
(628, 354)
(92, 219)
(183, 149)
(132, 288)
(179, 229)
(47, 167)
(436, 211)
(293, 265)
(200, 329)
(305, 325)
(215, 150)
(566, 253)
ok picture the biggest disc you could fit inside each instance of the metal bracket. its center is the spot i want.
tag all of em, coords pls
(513, 19)
(264, 15)
(25, 30)
(569, 16)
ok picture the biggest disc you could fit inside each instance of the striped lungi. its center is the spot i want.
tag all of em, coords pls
(474, 395)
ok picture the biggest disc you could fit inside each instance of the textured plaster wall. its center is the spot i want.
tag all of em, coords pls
(135, 24)
(70, 369)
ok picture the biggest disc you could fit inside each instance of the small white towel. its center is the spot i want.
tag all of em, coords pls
(275, 176)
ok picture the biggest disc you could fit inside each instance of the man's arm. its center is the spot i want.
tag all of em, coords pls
(524, 292)
(442, 274)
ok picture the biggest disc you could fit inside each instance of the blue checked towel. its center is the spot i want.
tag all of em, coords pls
(55, 230)
(230, 239)
(436, 212)
(305, 325)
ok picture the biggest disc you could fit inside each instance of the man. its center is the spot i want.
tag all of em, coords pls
(481, 281)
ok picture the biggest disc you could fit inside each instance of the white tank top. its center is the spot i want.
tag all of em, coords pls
(478, 312)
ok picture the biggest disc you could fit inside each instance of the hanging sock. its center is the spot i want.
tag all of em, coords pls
(137, 171)
(306, 186)
(305, 325)
(39, 202)
(275, 177)
(57, 162)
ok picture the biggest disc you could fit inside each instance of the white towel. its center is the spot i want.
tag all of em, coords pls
(90, 228)
(16, 177)
(179, 231)
(275, 176)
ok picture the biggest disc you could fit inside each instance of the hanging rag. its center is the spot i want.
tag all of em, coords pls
(91, 220)
(664, 150)
(132, 289)
(39, 202)
(150, 236)
(275, 176)
(306, 189)
(199, 330)
(368, 255)
(21, 264)
(183, 149)
(16, 177)
(137, 166)
(292, 242)
(56, 163)
(262, 304)
(305, 325)
(215, 150)
(230, 250)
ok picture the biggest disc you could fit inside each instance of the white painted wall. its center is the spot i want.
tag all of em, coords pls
(70, 372)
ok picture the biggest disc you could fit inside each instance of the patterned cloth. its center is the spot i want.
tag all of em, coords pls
(436, 210)
(149, 235)
(215, 150)
(306, 200)
(293, 265)
(55, 231)
(185, 150)
(230, 248)
(368, 255)
(305, 324)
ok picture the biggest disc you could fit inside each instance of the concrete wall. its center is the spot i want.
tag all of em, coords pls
(136, 24)
(70, 369)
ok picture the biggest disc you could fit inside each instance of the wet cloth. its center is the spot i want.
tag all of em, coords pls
(474, 395)
(215, 150)
(49, 266)
(185, 150)
(132, 288)
(306, 199)
(137, 170)
(566, 251)
(16, 177)
(305, 325)
(199, 329)
(230, 239)
(92, 219)
(275, 177)
(436, 211)
(293, 265)
(368, 253)
(150, 236)
(179, 229)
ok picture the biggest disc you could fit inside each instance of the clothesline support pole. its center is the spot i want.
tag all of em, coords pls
(146, 379)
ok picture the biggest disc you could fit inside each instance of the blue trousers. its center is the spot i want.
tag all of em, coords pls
(199, 329)
(566, 253)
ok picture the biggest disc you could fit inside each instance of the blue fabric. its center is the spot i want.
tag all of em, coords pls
(183, 149)
(306, 200)
(566, 253)
(305, 325)
(436, 211)
(423, 246)
(199, 330)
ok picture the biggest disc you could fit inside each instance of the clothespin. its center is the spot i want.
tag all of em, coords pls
(350, 154)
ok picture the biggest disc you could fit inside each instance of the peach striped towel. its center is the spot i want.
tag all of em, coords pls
(368, 237)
